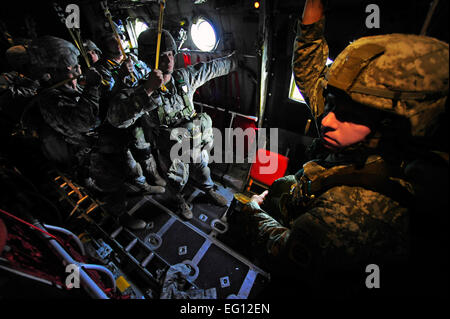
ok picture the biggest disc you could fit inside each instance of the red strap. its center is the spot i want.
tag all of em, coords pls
(187, 59)
(26, 223)
(3, 235)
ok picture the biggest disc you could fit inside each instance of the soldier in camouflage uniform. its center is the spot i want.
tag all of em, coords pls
(70, 112)
(118, 74)
(92, 50)
(116, 71)
(71, 132)
(16, 89)
(353, 208)
(169, 108)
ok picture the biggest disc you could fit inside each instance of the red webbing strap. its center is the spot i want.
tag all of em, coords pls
(26, 223)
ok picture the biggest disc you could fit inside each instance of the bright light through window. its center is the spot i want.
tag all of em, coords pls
(203, 35)
(294, 92)
(140, 27)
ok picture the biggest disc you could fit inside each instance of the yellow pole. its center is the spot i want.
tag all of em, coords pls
(160, 24)
(158, 42)
(116, 35)
(81, 48)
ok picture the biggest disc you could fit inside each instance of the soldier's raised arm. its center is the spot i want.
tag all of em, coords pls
(310, 55)
(202, 72)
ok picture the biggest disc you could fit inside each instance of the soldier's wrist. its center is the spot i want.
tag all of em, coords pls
(311, 32)
(254, 205)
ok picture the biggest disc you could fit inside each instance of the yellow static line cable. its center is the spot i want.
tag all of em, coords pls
(82, 50)
(116, 35)
(158, 42)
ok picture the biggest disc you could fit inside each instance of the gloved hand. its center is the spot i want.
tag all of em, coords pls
(93, 78)
(127, 67)
(155, 81)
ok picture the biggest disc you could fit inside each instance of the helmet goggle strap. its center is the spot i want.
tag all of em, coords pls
(348, 110)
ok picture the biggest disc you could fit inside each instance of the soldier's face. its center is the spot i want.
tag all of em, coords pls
(113, 49)
(167, 62)
(346, 122)
(70, 72)
(93, 56)
(338, 134)
(74, 71)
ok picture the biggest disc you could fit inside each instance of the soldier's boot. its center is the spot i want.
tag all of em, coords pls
(116, 205)
(152, 171)
(183, 208)
(141, 182)
(215, 197)
(150, 189)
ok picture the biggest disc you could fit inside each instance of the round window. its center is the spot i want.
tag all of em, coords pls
(203, 35)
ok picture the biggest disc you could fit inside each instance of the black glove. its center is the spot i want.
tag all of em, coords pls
(93, 78)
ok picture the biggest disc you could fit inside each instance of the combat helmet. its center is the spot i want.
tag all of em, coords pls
(147, 44)
(49, 53)
(89, 45)
(17, 57)
(397, 73)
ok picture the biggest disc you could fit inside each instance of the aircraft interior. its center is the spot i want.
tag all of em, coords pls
(51, 220)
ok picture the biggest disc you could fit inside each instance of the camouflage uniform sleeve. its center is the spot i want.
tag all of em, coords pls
(141, 69)
(200, 73)
(69, 116)
(343, 227)
(309, 63)
(112, 83)
(5, 83)
(17, 86)
(128, 106)
(108, 81)
(265, 230)
(347, 226)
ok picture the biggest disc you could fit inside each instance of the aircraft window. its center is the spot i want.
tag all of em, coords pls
(140, 27)
(203, 35)
(294, 92)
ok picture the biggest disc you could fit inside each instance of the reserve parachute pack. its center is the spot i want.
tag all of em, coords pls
(187, 113)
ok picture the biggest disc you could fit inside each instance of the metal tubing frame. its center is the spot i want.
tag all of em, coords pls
(86, 281)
